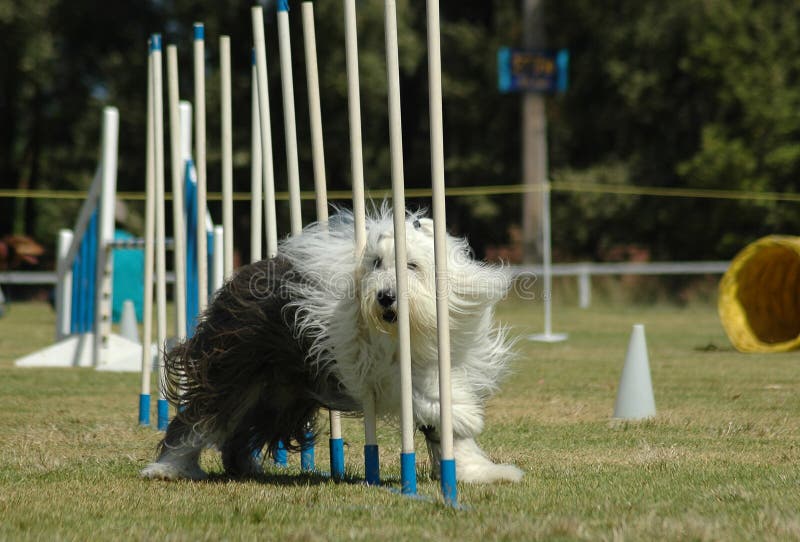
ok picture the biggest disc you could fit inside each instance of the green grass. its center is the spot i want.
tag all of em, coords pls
(719, 462)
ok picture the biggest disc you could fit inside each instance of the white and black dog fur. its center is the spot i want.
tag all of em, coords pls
(315, 328)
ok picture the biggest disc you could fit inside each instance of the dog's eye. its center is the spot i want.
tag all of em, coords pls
(377, 262)
(412, 266)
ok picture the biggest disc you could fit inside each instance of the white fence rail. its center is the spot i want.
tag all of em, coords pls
(585, 271)
(582, 271)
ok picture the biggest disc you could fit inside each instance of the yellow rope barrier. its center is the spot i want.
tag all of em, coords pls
(463, 191)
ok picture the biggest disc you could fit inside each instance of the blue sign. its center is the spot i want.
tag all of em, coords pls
(526, 70)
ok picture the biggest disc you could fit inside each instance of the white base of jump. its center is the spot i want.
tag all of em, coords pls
(76, 351)
(548, 337)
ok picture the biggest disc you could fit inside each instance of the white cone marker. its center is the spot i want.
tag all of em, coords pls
(635, 399)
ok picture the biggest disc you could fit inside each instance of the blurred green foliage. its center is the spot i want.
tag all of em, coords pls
(683, 93)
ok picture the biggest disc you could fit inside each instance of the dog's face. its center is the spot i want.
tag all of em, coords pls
(378, 284)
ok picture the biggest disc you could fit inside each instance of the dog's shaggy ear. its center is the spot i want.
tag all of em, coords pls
(425, 225)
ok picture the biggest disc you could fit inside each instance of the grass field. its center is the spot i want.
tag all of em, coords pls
(719, 462)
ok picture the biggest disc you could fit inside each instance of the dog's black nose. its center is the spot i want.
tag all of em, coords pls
(386, 298)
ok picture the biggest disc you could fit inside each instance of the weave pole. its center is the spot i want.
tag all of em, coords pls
(149, 251)
(408, 472)
(292, 166)
(200, 163)
(257, 15)
(256, 173)
(289, 122)
(448, 464)
(336, 443)
(227, 160)
(160, 234)
(178, 209)
(372, 470)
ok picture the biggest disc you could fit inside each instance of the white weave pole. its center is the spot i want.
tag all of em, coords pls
(407, 461)
(227, 158)
(256, 173)
(218, 271)
(289, 122)
(448, 465)
(149, 253)
(160, 235)
(178, 211)
(257, 14)
(315, 111)
(200, 163)
(371, 455)
(320, 188)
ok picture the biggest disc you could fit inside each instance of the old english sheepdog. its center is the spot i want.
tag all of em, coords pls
(315, 327)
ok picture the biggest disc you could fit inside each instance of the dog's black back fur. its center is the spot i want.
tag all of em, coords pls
(243, 378)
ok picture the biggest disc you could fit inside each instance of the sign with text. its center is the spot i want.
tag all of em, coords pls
(527, 70)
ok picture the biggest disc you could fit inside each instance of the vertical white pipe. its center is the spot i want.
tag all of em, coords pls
(357, 167)
(227, 153)
(546, 262)
(149, 240)
(160, 235)
(440, 229)
(256, 174)
(399, 211)
(289, 121)
(185, 123)
(178, 211)
(218, 272)
(257, 14)
(354, 112)
(63, 286)
(105, 235)
(315, 111)
(200, 162)
(317, 145)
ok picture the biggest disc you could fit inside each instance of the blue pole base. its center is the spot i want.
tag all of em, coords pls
(408, 473)
(372, 465)
(281, 456)
(144, 409)
(337, 458)
(163, 414)
(449, 490)
(307, 455)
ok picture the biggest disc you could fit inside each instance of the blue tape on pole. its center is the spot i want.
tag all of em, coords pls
(253, 56)
(199, 31)
(372, 465)
(307, 454)
(449, 490)
(283, 5)
(408, 473)
(337, 458)
(281, 457)
(144, 409)
(155, 42)
(163, 414)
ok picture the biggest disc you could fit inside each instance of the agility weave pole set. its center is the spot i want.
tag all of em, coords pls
(263, 184)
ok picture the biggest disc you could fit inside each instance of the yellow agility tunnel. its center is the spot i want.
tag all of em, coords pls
(759, 296)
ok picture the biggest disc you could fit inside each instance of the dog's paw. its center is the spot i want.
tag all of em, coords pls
(168, 471)
(488, 473)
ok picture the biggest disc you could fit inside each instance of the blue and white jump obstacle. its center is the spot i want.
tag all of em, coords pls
(84, 271)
